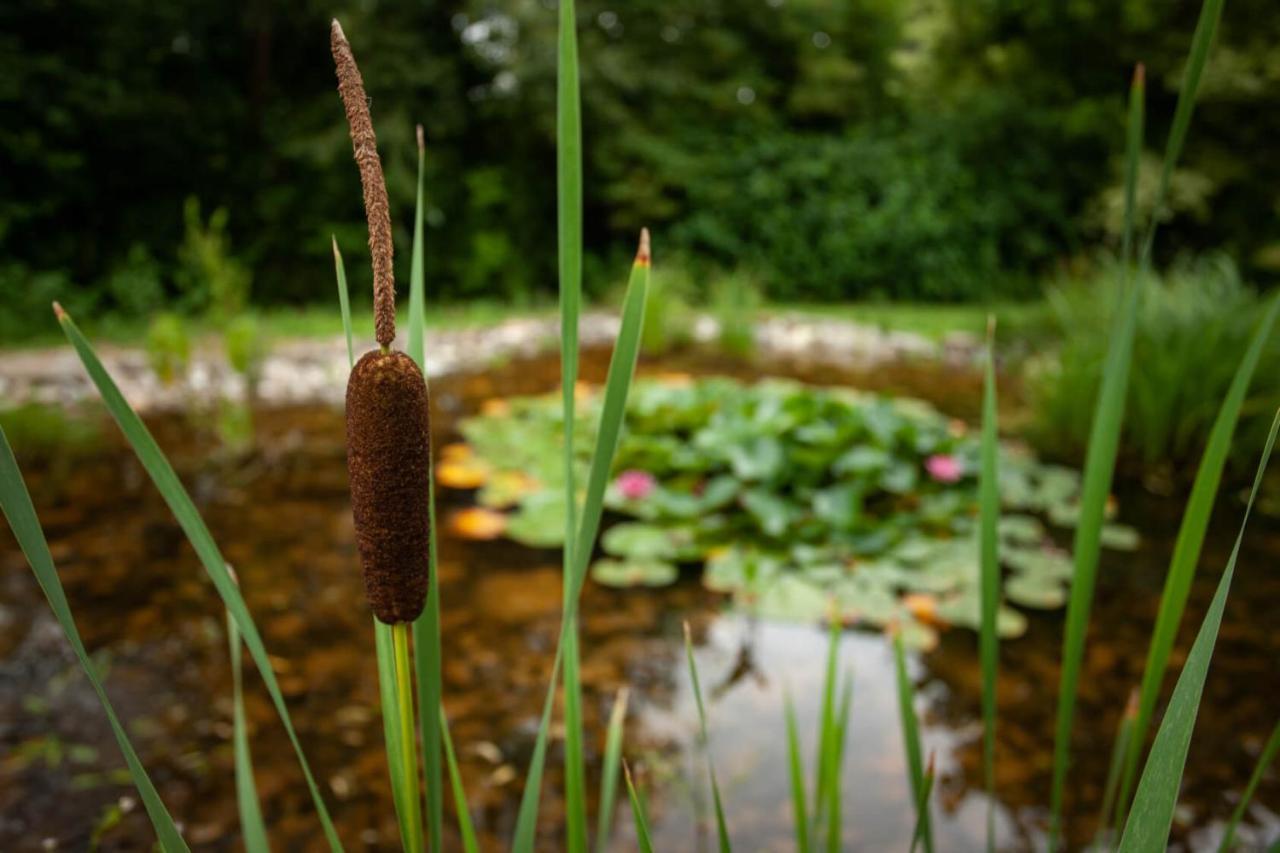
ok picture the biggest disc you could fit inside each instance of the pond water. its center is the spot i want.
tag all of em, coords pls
(281, 515)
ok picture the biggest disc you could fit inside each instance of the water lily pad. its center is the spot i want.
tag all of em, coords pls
(1120, 537)
(636, 541)
(1021, 529)
(1035, 591)
(540, 521)
(789, 599)
(627, 573)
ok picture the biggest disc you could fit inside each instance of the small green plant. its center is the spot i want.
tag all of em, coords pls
(168, 347)
(209, 277)
(735, 302)
(668, 312)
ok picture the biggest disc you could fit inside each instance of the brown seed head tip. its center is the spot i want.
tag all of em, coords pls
(58, 312)
(1131, 707)
(1139, 75)
(377, 208)
(642, 253)
(388, 462)
(422, 145)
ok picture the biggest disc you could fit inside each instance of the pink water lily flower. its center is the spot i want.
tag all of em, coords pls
(636, 485)
(944, 468)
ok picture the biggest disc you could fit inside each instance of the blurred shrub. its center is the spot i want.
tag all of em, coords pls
(735, 302)
(168, 346)
(208, 277)
(245, 346)
(884, 212)
(1194, 325)
(136, 285)
(668, 310)
(26, 297)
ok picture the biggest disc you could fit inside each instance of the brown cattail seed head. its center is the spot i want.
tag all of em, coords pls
(388, 461)
(376, 207)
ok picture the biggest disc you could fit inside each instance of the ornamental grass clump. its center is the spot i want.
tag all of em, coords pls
(388, 415)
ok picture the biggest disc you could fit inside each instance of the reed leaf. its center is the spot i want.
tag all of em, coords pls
(1157, 794)
(612, 765)
(617, 385)
(175, 496)
(388, 695)
(795, 765)
(638, 813)
(1111, 790)
(989, 581)
(469, 843)
(704, 743)
(1265, 758)
(1190, 541)
(426, 628)
(1100, 461)
(922, 806)
(834, 810)
(15, 502)
(911, 740)
(826, 724)
(252, 829)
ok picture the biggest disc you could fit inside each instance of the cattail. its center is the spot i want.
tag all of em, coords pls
(388, 413)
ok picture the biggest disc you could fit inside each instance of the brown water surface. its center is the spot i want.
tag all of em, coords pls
(282, 518)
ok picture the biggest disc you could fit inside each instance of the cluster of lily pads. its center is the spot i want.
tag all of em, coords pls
(794, 499)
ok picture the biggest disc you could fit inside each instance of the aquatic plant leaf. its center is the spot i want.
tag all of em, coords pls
(252, 830)
(184, 511)
(1265, 758)
(638, 813)
(609, 772)
(911, 739)
(1043, 593)
(639, 542)
(1021, 529)
(1151, 815)
(795, 770)
(790, 599)
(1120, 537)
(539, 523)
(465, 826)
(1188, 545)
(15, 501)
(633, 572)
(704, 741)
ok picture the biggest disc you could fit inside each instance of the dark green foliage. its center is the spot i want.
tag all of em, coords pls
(948, 150)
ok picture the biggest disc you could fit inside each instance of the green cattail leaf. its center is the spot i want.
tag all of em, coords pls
(469, 843)
(823, 763)
(252, 828)
(1264, 761)
(617, 385)
(1151, 816)
(612, 766)
(911, 741)
(989, 580)
(833, 783)
(1110, 791)
(638, 814)
(795, 766)
(919, 834)
(1190, 541)
(704, 742)
(184, 511)
(390, 700)
(15, 501)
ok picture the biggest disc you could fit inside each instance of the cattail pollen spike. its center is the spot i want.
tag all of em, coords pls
(376, 206)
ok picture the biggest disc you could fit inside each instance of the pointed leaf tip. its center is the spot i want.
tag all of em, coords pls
(642, 253)
(991, 327)
(333, 238)
(421, 141)
(1139, 75)
(58, 312)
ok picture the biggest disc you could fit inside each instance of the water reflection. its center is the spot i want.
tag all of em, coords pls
(282, 517)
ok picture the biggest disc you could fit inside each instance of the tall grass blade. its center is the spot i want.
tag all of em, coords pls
(426, 628)
(1111, 790)
(638, 813)
(180, 504)
(569, 237)
(344, 300)
(989, 538)
(253, 830)
(834, 811)
(408, 763)
(612, 766)
(469, 843)
(704, 743)
(795, 765)
(826, 724)
(617, 385)
(1100, 461)
(911, 739)
(389, 697)
(922, 806)
(1152, 813)
(15, 501)
(1201, 42)
(1264, 761)
(1190, 541)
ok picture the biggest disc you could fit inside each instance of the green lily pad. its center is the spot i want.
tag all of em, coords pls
(635, 541)
(789, 599)
(1120, 537)
(1036, 591)
(1021, 529)
(628, 573)
(540, 521)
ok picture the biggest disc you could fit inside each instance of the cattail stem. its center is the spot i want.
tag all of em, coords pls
(376, 206)
(408, 737)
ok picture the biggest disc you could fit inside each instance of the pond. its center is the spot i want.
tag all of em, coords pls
(282, 517)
